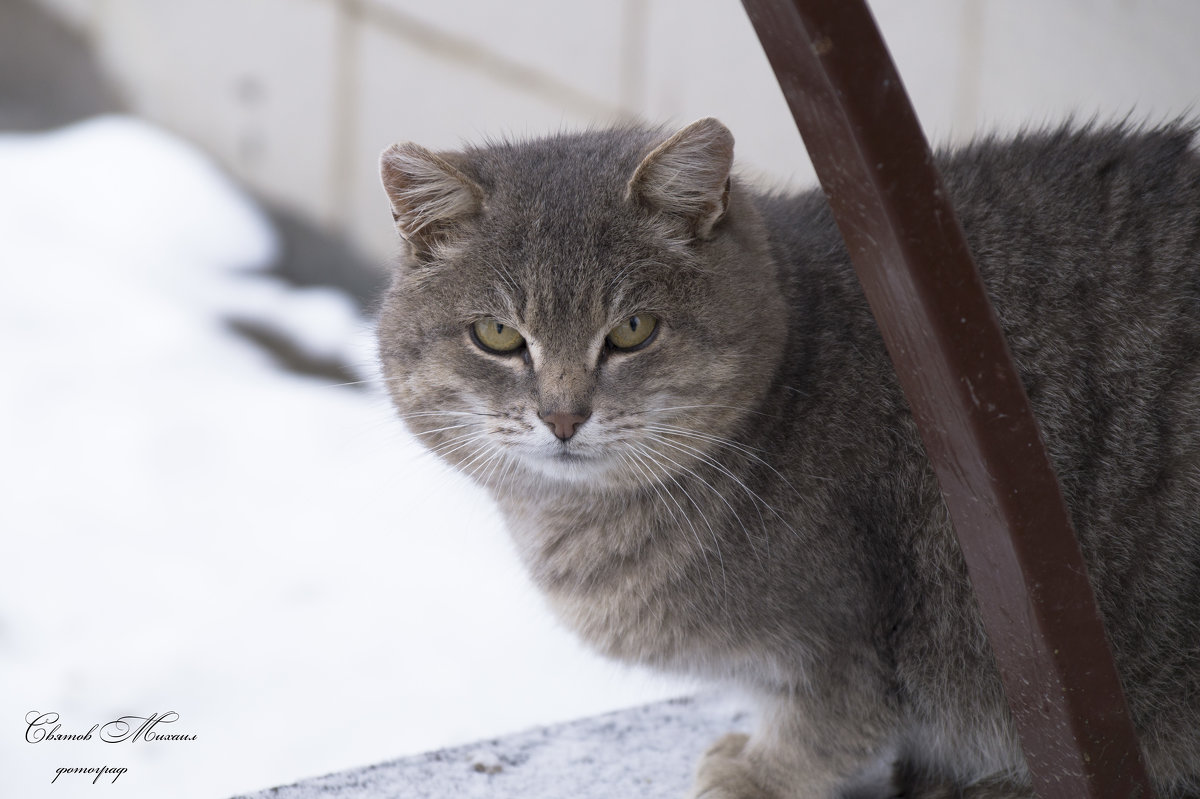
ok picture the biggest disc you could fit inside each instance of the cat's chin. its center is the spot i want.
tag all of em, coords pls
(569, 467)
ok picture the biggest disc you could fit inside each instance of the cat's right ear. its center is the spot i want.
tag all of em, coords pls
(429, 196)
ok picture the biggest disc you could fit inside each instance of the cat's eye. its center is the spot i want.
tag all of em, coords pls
(492, 335)
(633, 333)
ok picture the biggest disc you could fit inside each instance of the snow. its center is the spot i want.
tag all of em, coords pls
(648, 752)
(185, 528)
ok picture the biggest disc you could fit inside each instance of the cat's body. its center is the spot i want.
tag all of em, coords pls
(741, 494)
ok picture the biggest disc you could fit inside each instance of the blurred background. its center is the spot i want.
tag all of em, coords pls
(205, 505)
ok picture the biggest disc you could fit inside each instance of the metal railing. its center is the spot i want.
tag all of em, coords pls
(955, 368)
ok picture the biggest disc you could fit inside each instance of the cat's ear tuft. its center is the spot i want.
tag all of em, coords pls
(687, 176)
(429, 195)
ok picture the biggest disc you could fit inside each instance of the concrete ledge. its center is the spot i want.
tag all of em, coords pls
(648, 752)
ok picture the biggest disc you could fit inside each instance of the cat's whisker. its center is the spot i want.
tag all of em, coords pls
(462, 442)
(466, 440)
(703, 456)
(479, 457)
(652, 455)
(746, 450)
(702, 406)
(480, 461)
(507, 476)
(642, 455)
(499, 458)
(509, 467)
(365, 382)
(417, 414)
(732, 510)
(684, 431)
(486, 465)
(443, 429)
(476, 431)
(381, 379)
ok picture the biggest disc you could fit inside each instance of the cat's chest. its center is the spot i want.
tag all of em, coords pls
(618, 574)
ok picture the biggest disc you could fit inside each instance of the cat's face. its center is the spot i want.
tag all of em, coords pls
(584, 308)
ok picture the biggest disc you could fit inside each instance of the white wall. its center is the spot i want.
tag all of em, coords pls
(298, 97)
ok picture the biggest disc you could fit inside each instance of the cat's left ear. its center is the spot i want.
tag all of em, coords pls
(687, 176)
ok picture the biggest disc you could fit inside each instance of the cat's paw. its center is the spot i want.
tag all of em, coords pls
(726, 773)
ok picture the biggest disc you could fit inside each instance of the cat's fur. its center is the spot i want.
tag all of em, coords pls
(749, 500)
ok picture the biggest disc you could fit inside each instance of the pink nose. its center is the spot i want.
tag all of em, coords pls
(564, 424)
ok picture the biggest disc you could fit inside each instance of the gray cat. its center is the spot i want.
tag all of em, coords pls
(673, 387)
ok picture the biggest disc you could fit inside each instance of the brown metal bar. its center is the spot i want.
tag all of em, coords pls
(955, 368)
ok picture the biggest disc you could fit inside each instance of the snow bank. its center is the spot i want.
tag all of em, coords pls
(185, 528)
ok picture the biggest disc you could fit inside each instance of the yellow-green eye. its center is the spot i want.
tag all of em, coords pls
(495, 336)
(634, 332)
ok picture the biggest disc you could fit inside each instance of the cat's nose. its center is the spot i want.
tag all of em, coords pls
(564, 424)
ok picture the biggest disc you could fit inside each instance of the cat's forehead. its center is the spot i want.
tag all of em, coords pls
(565, 287)
(555, 231)
(559, 171)
(557, 247)
(549, 287)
